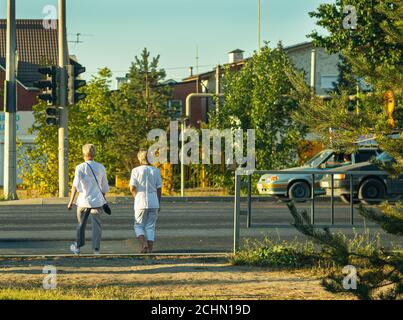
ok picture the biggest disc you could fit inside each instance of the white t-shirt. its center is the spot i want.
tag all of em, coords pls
(146, 179)
(90, 194)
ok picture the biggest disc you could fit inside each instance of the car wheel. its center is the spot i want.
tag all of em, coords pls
(371, 189)
(346, 199)
(299, 191)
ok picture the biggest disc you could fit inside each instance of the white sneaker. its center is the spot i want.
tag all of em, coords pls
(74, 249)
(97, 252)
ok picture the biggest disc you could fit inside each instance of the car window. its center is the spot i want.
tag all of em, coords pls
(385, 157)
(336, 160)
(318, 159)
(364, 155)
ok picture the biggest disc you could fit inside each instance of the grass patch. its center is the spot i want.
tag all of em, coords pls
(295, 254)
(77, 293)
(269, 253)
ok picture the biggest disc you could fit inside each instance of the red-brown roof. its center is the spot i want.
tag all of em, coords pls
(36, 46)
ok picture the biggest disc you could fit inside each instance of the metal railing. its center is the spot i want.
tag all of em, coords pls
(312, 173)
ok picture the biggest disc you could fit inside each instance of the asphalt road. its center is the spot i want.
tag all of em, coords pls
(181, 228)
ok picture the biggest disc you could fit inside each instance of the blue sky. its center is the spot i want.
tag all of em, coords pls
(114, 31)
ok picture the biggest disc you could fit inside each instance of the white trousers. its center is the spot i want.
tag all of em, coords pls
(144, 223)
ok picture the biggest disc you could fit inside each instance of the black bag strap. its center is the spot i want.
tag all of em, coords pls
(96, 180)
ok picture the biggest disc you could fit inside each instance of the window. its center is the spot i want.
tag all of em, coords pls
(365, 155)
(175, 108)
(385, 157)
(328, 81)
(336, 160)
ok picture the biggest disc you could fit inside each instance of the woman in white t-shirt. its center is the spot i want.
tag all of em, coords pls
(145, 186)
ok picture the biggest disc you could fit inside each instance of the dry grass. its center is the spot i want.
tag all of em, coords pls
(156, 278)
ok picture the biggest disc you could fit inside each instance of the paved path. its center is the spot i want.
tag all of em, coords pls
(182, 227)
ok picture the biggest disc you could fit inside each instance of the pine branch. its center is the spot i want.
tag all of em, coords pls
(390, 219)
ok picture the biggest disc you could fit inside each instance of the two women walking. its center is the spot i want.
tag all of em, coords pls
(91, 183)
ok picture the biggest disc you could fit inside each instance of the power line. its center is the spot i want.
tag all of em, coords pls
(78, 35)
(168, 68)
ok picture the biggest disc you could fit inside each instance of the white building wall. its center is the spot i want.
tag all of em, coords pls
(326, 66)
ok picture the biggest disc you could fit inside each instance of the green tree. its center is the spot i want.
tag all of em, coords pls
(257, 97)
(372, 52)
(139, 106)
(376, 20)
(93, 117)
(346, 80)
(39, 163)
(88, 123)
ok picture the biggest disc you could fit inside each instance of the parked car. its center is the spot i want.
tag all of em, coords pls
(369, 188)
(299, 186)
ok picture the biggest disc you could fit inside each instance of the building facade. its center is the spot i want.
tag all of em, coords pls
(326, 66)
(325, 77)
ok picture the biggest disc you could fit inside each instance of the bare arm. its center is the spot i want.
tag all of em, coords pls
(72, 196)
(133, 191)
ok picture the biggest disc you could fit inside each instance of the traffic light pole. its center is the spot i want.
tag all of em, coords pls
(10, 133)
(63, 115)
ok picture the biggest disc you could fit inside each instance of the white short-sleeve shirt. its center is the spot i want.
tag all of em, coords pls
(90, 195)
(146, 179)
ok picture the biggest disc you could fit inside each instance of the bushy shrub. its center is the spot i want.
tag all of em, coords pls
(268, 253)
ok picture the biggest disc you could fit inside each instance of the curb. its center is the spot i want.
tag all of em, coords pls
(195, 255)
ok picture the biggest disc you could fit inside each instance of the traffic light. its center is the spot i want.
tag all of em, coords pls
(52, 116)
(48, 86)
(74, 71)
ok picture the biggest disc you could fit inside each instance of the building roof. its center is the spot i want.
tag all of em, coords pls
(294, 47)
(236, 51)
(299, 46)
(36, 47)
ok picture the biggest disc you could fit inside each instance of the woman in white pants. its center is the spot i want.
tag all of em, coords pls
(91, 183)
(145, 186)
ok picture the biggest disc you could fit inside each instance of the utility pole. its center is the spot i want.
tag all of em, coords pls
(183, 128)
(10, 108)
(313, 72)
(63, 115)
(217, 85)
(197, 69)
(258, 25)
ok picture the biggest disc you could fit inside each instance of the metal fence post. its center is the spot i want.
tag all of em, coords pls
(237, 209)
(332, 199)
(351, 200)
(249, 213)
(313, 200)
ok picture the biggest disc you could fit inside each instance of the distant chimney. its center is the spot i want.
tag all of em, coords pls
(235, 56)
(191, 71)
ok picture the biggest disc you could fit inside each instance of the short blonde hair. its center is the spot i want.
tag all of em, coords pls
(89, 150)
(142, 157)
